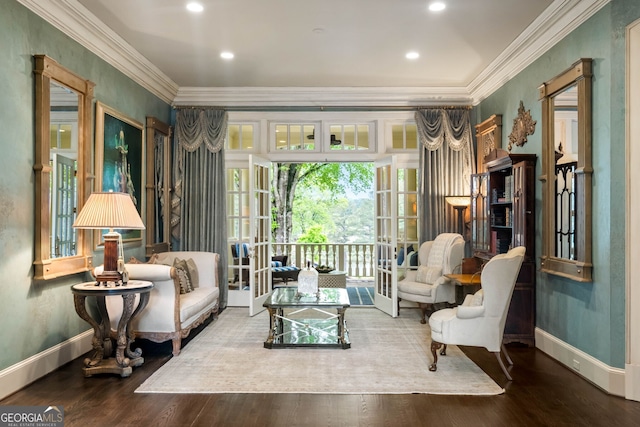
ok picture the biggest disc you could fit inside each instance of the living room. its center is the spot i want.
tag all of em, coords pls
(592, 323)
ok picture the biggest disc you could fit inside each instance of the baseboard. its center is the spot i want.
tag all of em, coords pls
(27, 371)
(611, 380)
(632, 383)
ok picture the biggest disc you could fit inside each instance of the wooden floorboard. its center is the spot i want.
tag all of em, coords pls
(542, 393)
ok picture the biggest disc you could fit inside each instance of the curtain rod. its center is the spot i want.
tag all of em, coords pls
(446, 107)
(324, 108)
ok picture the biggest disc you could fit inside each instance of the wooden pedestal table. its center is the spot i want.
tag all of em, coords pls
(125, 359)
(466, 283)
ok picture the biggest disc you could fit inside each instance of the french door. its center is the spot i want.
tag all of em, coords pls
(260, 233)
(386, 218)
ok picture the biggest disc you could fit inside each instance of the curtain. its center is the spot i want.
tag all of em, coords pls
(198, 215)
(446, 165)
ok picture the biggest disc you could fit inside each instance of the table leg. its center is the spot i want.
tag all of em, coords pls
(98, 331)
(341, 325)
(135, 355)
(122, 339)
(273, 319)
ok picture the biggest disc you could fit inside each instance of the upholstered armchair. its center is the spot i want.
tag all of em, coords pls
(480, 320)
(281, 270)
(427, 285)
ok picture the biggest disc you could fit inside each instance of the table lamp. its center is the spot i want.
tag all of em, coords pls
(110, 210)
(460, 204)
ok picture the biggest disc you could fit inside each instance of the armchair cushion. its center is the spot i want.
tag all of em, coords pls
(469, 311)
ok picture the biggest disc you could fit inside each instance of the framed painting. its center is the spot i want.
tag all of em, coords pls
(119, 154)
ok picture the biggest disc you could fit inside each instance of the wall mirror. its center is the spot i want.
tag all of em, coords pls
(62, 174)
(158, 215)
(567, 173)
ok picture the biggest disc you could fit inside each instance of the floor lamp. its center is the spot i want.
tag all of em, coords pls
(460, 204)
(111, 211)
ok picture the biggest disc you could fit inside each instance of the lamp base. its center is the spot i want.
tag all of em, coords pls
(111, 272)
(109, 276)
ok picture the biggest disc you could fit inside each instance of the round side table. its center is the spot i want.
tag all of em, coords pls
(125, 359)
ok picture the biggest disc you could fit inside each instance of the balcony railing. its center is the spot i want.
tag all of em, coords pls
(356, 259)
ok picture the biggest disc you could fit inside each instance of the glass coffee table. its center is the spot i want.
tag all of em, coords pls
(307, 321)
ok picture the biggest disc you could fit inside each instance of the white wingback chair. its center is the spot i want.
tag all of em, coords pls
(480, 320)
(427, 285)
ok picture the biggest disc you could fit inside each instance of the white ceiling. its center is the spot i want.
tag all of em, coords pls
(320, 48)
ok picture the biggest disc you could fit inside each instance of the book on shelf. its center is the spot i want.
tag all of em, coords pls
(508, 188)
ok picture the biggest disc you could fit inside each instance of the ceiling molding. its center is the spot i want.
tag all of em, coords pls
(77, 22)
(323, 96)
(73, 19)
(558, 20)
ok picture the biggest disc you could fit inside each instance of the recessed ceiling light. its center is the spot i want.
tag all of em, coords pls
(194, 7)
(412, 55)
(437, 6)
(227, 55)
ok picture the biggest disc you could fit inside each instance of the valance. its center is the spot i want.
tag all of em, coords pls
(437, 125)
(195, 126)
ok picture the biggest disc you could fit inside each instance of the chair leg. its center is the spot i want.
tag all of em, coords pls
(423, 310)
(435, 345)
(177, 345)
(506, 355)
(506, 374)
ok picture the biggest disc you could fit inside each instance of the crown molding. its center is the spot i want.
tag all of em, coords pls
(558, 20)
(321, 96)
(74, 20)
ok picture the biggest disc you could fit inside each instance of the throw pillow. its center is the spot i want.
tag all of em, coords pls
(183, 275)
(413, 259)
(401, 256)
(428, 274)
(477, 299)
(194, 277)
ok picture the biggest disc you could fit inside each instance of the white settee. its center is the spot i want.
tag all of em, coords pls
(170, 315)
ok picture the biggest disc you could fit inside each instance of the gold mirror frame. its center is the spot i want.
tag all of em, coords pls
(580, 268)
(46, 71)
(158, 236)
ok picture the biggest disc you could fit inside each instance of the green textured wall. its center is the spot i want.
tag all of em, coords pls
(588, 316)
(37, 316)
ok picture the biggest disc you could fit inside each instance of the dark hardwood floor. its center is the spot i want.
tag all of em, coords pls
(542, 393)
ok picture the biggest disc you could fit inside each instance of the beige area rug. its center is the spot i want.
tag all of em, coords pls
(387, 356)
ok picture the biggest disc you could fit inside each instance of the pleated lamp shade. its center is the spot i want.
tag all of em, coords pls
(109, 210)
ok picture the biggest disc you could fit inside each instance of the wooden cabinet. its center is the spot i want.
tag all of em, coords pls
(502, 217)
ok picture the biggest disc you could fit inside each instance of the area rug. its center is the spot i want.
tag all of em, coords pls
(360, 295)
(387, 356)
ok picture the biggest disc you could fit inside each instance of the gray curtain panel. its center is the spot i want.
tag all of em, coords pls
(446, 165)
(199, 214)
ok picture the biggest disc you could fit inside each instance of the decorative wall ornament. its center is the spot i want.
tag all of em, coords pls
(523, 125)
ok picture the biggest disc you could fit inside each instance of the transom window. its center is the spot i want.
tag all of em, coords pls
(404, 136)
(349, 137)
(240, 137)
(295, 137)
